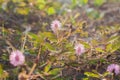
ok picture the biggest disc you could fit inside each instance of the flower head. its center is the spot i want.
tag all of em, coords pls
(55, 26)
(17, 58)
(114, 68)
(79, 49)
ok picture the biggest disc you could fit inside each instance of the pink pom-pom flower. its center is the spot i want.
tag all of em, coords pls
(55, 26)
(79, 49)
(114, 68)
(17, 58)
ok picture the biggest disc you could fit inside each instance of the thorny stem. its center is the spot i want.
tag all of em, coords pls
(62, 38)
(23, 45)
(58, 37)
(31, 71)
(113, 74)
(35, 64)
(78, 58)
(57, 34)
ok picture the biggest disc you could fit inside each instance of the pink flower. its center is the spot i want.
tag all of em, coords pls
(79, 49)
(17, 58)
(55, 26)
(114, 68)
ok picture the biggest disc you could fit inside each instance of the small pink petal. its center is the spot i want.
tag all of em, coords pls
(114, 68)
(17, 58)
(55, 26)
(79, 49)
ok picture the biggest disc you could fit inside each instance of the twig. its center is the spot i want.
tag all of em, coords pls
(22, 48)
(62, 38)
(34, 65)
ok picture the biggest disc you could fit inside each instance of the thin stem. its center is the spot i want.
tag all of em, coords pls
(78, 58)
(23, 45)
(113, 74)
(31, 71)
(62, 38)
(35, 64)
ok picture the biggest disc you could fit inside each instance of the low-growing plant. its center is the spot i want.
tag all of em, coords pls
(64, 48)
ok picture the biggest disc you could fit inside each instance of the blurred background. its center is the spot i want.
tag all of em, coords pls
(96, 22)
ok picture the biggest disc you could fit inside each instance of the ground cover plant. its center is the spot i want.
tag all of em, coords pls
(59, 40)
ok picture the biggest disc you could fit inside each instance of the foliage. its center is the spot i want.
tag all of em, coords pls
(52, 55)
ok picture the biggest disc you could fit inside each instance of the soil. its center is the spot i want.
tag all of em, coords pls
(15, 23)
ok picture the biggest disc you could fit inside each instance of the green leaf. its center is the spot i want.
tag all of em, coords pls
(69, 47)
(115, 46)
(22, 11)
(93, 14)
(93, 61)
(32, 35)
(106, 73)
(86, 44)
(83, 2)
(90, 74)
(99, 2)
(54, 71)
(49, 47)
(50, 36)
(99, 50)
(94, 42)
(1, 71)
(22, 4)
(36, 38)
(72, 19)
(41, 7)
(17, 1)
(41, 4)
(51, 11)
(47, 67)
(85, 79)
(41, 1)
(113, 39)
(109, 47)
(74, 3)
